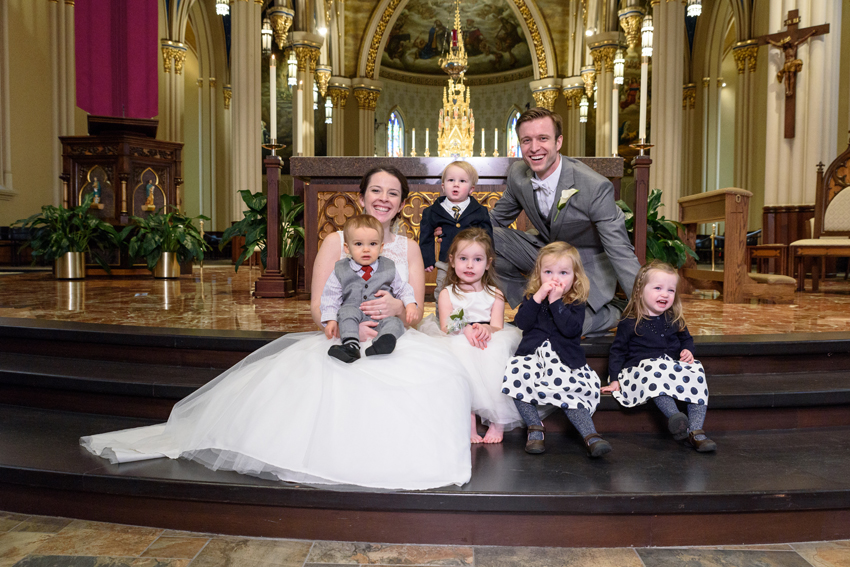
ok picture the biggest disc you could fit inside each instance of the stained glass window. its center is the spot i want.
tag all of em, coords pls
(395, 135)
(513, 141)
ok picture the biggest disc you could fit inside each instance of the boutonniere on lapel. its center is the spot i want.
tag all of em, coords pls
(562, 202)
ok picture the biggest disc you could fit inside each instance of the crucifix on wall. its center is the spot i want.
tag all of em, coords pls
(788, 41)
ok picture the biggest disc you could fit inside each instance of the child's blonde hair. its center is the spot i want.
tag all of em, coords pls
(580, 289)
(467, 167)
(362, 221)
(470, 236)
(636, 307)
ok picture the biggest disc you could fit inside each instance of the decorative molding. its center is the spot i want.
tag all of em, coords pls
(470, 81)
(536, 39)
(631, 20)
(746, 54)
(378, 36)
(179, 60)
(339, 95)
(307, 57)
(705, 82)
(573, 95)
(545, 98)
(212, 82)
(166, 59)
(323, 77)
(588, 75)
(228, 94)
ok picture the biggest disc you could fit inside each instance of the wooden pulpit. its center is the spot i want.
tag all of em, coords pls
(122, 163)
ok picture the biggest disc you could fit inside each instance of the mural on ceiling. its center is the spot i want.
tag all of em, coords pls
(492, 36)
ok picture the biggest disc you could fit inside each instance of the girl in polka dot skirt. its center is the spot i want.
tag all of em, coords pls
(549, 367)
(652, 356)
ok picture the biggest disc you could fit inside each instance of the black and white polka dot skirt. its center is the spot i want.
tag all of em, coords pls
(541, 379)
(654, 377)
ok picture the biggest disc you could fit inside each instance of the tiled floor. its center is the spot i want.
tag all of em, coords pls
(218, 298)
(36, 541)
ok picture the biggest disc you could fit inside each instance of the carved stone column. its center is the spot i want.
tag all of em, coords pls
(7, 191)
(173, 90)
(689, 101)
(666, 104)
(366, 91)
(790, 175)
(572, 89)
(245, 105)
(603, 60)
(338, 89)
(746, 56)
(64, 82)
(307, 48)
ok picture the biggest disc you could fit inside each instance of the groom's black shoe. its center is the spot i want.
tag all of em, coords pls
(384, 344)
(348, 353)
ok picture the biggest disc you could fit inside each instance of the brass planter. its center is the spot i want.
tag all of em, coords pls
(70, 266)
(168, 267)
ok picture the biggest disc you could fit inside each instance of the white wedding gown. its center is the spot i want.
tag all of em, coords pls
(290, 411)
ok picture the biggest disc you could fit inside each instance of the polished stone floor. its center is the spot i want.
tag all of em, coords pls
(39, 541)
(216, 297)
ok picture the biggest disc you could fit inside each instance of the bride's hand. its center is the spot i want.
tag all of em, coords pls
(384, 305)
(368, 331)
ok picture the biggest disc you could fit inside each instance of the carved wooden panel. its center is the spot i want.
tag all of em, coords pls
(146, 190)
(98, 180)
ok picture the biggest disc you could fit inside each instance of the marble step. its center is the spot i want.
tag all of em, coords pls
(759, 487)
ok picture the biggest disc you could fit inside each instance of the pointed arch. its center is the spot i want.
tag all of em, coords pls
(396, 133)
(511, 139)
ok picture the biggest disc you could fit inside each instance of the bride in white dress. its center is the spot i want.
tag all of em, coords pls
(289, 411)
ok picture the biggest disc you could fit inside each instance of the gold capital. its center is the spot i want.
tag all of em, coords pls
(323, 77)
(307, 57)
(631, 26)
(339, 96)
(545, 99)
(167, 55)
(179, 60)
(228, 94)
(689, 96)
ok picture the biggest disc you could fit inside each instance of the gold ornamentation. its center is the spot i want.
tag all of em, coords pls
(323, 77)
(378, 36)
(454, 63)
(339, 96)
(167, 56)
(456, 127)
(631, 26)
(281, 21)
(740, 60)
(228, 94)
(573, 96)
(367, 99)
(746, 53)
(545, 99)
(179, 60)
(588, 75)
(212, 82)
(473, 81)
(705, 82)
(689, 96)
(307, 57)
(539, 51)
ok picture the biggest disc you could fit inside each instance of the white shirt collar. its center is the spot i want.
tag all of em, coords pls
(447, 205)
(551, 182)
(358, 268)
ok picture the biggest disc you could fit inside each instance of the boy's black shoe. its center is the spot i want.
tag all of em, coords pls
(384, 344)
(348, 353)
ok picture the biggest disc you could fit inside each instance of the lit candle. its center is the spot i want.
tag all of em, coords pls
(482, 139)
(413, 141)
(644, 79)
(615, 134)
(273, 98)
(426, 139)
(496, 140)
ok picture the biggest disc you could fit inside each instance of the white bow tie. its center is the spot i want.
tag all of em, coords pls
(540, 185)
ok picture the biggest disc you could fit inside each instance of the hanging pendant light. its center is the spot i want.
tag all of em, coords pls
(315, 96)
(646, 36)
(619, 66)
(329, 111)
(582, 109)
(222, 7)
(266, 36)
(292, 69)
(694, 8)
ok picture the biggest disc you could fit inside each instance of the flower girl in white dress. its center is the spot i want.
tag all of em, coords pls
(472, 319)
(291, 412)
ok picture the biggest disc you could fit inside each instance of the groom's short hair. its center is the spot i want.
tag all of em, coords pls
(537, 112)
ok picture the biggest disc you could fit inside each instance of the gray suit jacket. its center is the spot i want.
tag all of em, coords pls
(591, 221)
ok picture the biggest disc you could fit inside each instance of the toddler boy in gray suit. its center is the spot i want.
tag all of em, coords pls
(356, 280)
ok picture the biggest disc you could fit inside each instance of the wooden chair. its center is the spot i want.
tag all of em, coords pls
(831, 222)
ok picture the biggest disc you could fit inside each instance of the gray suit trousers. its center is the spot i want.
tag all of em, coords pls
(349, 318)
(516, 253)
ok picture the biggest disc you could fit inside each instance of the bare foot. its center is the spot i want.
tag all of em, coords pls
(473, 433)
(494, 433)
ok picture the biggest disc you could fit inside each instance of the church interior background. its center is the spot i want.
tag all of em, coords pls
(366, 78)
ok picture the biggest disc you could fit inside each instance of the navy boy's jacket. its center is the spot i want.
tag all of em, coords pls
(653, 338)
(559, 323)
(475, 215)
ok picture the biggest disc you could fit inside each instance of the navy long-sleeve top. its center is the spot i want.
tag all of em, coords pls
(654, 337)
(475, 215)
(559, 323)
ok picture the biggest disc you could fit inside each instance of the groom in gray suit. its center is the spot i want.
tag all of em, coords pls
(590, 220)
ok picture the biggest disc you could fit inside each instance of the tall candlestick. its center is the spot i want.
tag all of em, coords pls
(413, 142)
(615, 134)
(299, 99)
(273, 98)
(644, 80)
(426, 139)
(482, 139)
(496, 139)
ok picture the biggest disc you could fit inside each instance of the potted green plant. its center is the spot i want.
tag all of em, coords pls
(254, 224)
(166, 240)
(63, 236)
(662, 235)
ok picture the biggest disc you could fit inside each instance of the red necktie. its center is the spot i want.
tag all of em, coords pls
(367, 272)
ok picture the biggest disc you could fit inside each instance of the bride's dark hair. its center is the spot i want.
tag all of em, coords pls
(364, 182)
